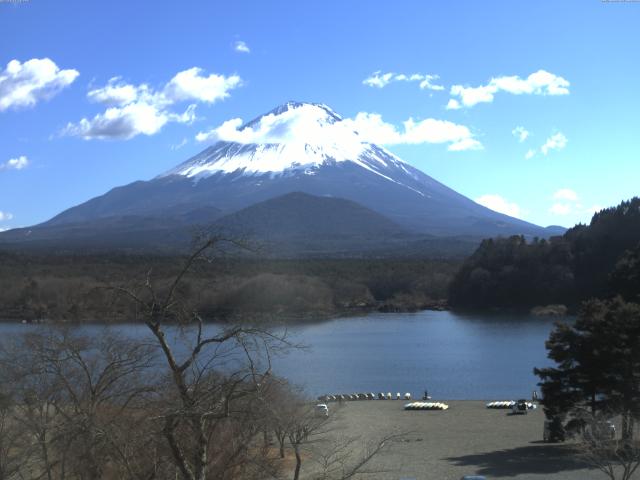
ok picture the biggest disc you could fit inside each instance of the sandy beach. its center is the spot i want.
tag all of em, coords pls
(467, 439)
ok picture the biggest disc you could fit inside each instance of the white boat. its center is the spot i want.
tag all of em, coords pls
(501, 404)
(426, 406)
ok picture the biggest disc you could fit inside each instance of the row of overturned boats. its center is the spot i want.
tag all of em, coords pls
(344, 397)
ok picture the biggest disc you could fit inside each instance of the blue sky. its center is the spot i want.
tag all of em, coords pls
(147, 77)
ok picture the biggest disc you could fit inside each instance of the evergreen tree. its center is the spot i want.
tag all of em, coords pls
(599, 260)
(598, 364)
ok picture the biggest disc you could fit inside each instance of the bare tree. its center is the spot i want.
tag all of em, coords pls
(191, 401)
(73, 398)
(14, 451)
(344, 457)
(617, 458)
(212, 379)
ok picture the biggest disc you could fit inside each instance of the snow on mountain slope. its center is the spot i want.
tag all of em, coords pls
(295, 137)
(297, 147)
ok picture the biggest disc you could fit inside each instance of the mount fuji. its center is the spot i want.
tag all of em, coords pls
(263, 176)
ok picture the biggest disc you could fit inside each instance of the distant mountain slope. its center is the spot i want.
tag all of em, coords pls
(298, 214)
(300, 223)
(308, 150)
(175, 229)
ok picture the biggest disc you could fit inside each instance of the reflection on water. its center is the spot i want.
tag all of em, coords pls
(453, 356)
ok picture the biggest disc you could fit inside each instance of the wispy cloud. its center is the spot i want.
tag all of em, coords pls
(15, 163)
(294, 127)
(566, 194)
(538, 83)
(241, 47)
(179, 145)
(373, 128)
(4, 216)
(561, 209)
(499, 204)
(25, 84)
(191, 85)
(557, 141)
(381, 80)
(567, 202)
(140, 109)
(520, 133)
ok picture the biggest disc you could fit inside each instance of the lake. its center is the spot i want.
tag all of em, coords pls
(454, 356)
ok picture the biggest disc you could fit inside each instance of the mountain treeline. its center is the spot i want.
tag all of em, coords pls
(78, 288)
(601, 260)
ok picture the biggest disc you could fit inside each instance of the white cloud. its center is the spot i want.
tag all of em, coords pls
(25, 84)
(431, 130)
(567, 202)
(139, 109)
(566, 194)
(470, 96)
(191, 85)
(15, 163)
(241, 47)
(296, 127)
(538, 83)
(381, 80)
(426, 83)
(378, 79)
(520, 133)
(500, 205)
(116, 92)
(453, 104)
(127, 122)
(179, 145)
(556, 141)
(561, 209)
(466, 143)
(4, 216)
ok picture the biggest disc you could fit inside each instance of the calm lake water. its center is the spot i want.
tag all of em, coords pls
(454, 356)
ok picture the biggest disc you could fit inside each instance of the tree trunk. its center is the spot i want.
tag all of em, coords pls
(296, 473)
(627, 427)
(45, 454)
(203, 443)
(178, 456)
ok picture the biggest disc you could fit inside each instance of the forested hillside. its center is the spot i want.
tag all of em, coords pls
(78, 288)
(601, 259)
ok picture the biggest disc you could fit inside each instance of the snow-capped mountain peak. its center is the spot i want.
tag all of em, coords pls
(322, 113)
(300, 148)
(294, 137)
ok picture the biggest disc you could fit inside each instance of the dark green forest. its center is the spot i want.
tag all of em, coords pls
(79, 288)
(600, 260)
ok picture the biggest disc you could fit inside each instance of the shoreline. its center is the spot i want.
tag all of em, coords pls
(261, 317)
